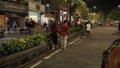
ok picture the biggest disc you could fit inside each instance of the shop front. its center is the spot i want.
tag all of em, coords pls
(2, 20)
(35, 10)
(35, 16)
(47, 17)
(11, 13)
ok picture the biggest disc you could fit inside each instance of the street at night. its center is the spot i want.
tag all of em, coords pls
(59, 33)
(83, 53)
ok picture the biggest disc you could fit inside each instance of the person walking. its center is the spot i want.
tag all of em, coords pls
(32, 25)
(45, 27)
(14, 25)
(88, 27)
(8, 25)
(27, 25)
(53, 34)
(64, 32)
(1, 31)
(37, 28)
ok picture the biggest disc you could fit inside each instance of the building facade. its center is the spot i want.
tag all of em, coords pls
(11, 12)
(36, 9)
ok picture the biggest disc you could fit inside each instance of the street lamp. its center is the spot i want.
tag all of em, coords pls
(118, 6)
(94, 7)
(48, 8)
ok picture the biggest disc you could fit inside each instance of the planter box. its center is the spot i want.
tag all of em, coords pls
(74, 35)
(22, 57)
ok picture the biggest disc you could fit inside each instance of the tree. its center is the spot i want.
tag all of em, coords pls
(101, 16)
(76, 7)
(114, 14)
(82, 9)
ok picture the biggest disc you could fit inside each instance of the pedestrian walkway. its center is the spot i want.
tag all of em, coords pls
(83, 53)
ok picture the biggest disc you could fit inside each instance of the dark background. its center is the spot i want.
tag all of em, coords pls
(103, 5)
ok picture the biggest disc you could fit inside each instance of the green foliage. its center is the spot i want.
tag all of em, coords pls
(75, 29)
(101, 16)
(2, 51)
(82, 9)
(16, 45)
(77, 7)
(114, 14)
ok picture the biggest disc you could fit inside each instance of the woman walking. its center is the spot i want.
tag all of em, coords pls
(54, 38)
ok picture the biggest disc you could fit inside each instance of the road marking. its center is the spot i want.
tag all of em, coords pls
(59, 50)
(33, 66)
(52, 54)
(73, 41)
(49, 56)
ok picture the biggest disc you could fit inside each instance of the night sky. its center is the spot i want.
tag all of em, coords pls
(103, 5)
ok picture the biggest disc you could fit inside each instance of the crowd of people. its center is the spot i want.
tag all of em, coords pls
(63, 30)
(53, 28)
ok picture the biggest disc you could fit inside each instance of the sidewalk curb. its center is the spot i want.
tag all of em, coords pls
(53, 53)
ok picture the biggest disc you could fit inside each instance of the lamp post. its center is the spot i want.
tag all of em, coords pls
(94, 7)
(48, 8)
(94, 12)
(118, 6)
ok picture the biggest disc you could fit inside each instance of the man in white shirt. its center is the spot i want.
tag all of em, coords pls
(88, 27)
